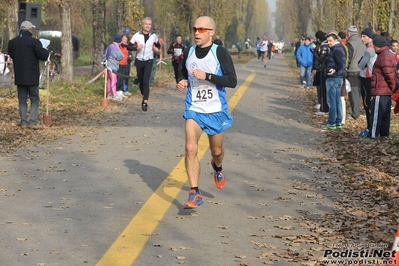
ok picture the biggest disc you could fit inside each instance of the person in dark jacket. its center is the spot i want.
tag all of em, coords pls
(356, 50)
(336, 71)
(382, 84)
(218, 41)
(176, 49)
(75, 47)
(26, 52)
(320, 54)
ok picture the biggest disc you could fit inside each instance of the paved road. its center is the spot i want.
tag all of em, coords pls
(80, 200)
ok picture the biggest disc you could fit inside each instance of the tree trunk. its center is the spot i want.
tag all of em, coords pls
(66, 39)
(391, 15)
(98, 35)
(12, 25)
(120, 15)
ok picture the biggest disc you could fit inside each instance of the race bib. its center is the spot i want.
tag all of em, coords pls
(204, 96)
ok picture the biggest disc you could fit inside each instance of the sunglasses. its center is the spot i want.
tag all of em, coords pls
(200, 30)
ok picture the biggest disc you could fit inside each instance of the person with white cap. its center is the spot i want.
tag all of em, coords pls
(356, 50)
(26, 52)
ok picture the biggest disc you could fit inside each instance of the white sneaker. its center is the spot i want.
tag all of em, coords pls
(321, 113)
(116, 98)
(126, 93)
(120, 94)
(317, 106)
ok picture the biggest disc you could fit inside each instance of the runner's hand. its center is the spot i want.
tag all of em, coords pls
(182, 85)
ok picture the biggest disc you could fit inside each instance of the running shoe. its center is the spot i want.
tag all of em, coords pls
(338, 126)
(218, 177)
(328, 126)
(364, 134)
(194, 199)
(144, 107)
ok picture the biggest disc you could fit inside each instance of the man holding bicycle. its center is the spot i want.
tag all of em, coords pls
(26, 52)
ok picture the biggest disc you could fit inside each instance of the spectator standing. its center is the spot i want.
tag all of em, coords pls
(207, 70)
(123, 71)
(336, 71)
(382, 85)
(366, 71)
(146, 43)
(75, 47)
(305, 59)
(342, 36)
(112, 56)
(25, 52)
(218, 41)
(128, 33)
(356, 50)
(297, 44)
(320, 54)
(395, 50)
(187, 42)
(239, 48)
(176, 49)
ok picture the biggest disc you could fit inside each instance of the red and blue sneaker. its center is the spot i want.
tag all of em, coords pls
(194, 199)
(218, 176)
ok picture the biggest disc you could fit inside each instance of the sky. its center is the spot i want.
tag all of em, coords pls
(272, 5)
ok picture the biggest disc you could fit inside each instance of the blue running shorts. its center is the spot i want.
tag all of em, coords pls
(213, 123)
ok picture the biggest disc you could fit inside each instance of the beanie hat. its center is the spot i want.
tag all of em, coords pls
(352, 30)
(320, 35)
(368, 32)
(379, 41)
(127, 31)
(333, 32)
(118, 38)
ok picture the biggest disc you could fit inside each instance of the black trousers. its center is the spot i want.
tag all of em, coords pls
(144, 69)
(380, 114)
(365, 84)
(121, 81)
(322, 91)
(177, 65)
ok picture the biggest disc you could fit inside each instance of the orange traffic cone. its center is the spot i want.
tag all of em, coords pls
(394, 259)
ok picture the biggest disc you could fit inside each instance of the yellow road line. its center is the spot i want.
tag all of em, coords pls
(128, 246)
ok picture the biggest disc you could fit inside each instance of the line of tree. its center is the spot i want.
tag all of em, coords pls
(95, 22)
(294, 17)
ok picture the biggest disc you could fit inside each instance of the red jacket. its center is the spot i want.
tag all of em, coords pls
(125, 53)
(383, 79)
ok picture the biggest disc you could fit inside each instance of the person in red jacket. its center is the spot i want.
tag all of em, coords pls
(382, 85)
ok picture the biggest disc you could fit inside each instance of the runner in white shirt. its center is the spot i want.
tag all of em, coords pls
(263, 50)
